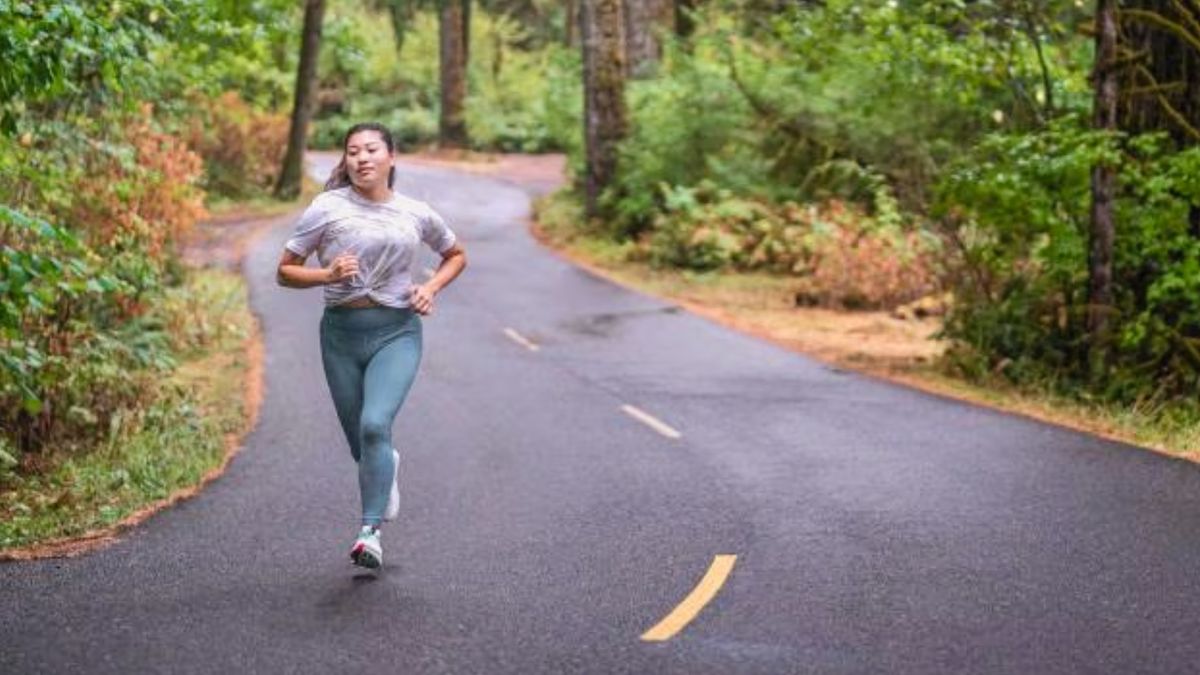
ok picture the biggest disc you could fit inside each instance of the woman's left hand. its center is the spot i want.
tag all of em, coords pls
(421, 300)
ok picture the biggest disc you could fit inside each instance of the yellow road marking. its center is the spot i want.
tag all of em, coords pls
(700, 596)
(521, 340)
(651, 421)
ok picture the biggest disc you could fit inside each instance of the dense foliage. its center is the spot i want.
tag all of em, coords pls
(97, 185)
(875, 151)
(953, 140)
(523, 92)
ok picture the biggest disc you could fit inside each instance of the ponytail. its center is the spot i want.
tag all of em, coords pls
(339, 177)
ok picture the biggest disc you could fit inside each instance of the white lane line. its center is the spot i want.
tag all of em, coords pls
(521, 340)
(651, 421)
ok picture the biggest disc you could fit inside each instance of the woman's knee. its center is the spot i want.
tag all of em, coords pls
(374, 432)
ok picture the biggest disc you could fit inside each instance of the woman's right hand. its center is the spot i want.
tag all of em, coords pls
(343, 267)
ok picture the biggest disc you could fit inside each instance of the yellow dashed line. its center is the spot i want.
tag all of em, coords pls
(700, 596)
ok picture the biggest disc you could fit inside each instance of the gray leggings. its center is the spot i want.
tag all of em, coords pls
(371, 356)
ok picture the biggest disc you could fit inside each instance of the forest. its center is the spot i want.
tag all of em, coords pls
(1031, 164)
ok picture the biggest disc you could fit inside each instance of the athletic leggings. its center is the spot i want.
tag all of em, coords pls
(371, 356)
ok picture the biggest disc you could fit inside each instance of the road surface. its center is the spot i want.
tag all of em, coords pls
(576, 458)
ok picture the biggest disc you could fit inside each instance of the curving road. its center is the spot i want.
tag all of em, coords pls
(546, 527)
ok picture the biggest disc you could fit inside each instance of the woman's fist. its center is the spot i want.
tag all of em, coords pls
(421, 300)
(343, 267)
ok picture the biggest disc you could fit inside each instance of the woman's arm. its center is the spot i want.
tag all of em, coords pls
(293, 274)
(454, 261)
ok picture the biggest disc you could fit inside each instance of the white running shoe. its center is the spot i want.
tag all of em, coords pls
(367, 550)
(393, 505)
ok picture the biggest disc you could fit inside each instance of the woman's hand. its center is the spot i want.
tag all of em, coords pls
(343, 267)
(421, 299)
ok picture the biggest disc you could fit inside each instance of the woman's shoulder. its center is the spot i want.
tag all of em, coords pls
(410, 204)
(331, 198)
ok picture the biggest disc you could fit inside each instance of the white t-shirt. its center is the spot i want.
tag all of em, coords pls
(384, 236)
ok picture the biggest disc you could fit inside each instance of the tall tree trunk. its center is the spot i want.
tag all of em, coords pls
(1100, 257)
(604, 92)
(466, 35)
(685, 25)
(288, 185)
(401, 14)
(645, 22)
(1162, 89)
(452, 126)
(571, 23)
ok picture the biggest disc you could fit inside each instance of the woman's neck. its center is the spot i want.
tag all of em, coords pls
(377, 193)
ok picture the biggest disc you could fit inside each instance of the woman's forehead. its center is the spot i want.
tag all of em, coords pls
(364, 137)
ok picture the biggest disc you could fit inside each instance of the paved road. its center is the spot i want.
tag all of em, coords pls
(877, 529)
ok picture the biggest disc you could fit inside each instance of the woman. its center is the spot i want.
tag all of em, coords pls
(366, 238)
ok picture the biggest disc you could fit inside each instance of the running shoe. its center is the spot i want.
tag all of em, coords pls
(393, 505)
(367, 551)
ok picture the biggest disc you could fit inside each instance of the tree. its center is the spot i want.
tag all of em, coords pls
(685, 22)
(401, 13)
(306, 77)
(604, 93)
(571, 23)
(453, 36)
(645, 23)
(1161, 89)
(1100, 255)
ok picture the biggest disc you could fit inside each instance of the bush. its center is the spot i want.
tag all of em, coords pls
(71, 358)
(847, 258)
(242, 147)
(1018, 210)
(79, 347)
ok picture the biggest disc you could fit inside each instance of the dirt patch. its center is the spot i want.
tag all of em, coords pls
(223, 242)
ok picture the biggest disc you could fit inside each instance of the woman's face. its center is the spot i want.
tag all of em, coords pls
(368, 160)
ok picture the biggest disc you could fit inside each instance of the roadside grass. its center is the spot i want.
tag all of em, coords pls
(875, 343)
(198, 412)
(222, 209)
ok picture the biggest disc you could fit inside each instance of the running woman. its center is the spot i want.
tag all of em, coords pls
(366, 238)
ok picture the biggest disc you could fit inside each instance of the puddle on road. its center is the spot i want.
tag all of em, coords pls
(605, 324)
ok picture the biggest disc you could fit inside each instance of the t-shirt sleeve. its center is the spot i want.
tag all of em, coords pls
(307, 235)
(436, 233)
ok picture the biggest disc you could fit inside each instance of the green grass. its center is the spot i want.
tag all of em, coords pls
(259, 206)
(170, 445)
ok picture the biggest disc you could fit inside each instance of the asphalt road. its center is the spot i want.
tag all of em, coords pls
(544, 529)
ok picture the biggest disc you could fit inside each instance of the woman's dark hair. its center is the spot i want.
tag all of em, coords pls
(340, 178)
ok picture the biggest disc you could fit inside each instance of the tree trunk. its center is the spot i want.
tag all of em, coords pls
(571, 23)
(1162, 88)
(684, 24)
(645, 23)
(604, 93)
(1100, 257)
(288, 186)
(452, 127)
(401, 14)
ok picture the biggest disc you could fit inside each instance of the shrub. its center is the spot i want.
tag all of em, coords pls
(242, 147)
(71, 358)
(847, 258)
(1018, 210)
(78, 345)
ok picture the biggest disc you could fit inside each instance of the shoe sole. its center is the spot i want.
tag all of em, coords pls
(363, 557)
